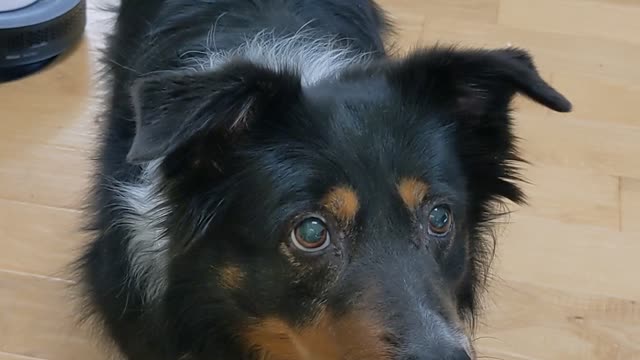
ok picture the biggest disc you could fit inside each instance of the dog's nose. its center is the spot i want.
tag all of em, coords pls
(458, 354)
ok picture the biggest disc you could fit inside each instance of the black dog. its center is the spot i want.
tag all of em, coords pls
(272, 185)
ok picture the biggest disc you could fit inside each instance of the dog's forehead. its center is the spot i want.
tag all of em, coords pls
(379, 136)
(331, 94)
(357, 146)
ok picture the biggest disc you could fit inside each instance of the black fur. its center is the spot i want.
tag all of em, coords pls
(245, 150)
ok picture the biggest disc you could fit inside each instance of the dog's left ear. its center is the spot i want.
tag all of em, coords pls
(473, 90)
(175, 109)
(475, 82)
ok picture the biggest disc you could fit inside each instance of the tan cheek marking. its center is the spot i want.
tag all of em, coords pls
(412, 191)
(343, 203)
(273, 337)
(354, 336)
(231, 277)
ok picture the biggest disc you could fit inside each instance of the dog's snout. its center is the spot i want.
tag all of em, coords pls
(414, 306)
(452, 354)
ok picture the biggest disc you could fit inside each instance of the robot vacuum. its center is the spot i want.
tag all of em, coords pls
(34, 32)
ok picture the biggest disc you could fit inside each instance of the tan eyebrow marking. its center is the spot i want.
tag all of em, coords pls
(342, 201)
(412, 191)
(231, 277)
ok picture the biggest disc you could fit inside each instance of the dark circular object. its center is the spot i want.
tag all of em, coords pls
(440, 220)
(311, 235)
(33, 33)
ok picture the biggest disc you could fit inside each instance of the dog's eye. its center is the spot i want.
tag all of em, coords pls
(310, 235)
(440, 220)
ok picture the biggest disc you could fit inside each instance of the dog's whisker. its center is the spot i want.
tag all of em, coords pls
(485, 338)
(488, 357)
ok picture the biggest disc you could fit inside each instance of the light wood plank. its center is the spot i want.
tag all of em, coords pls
(43, 174)
(43, 245)
(574, 17)
(573, 196)
(408, 32)
(607, 60)
(602, 100)
(37, 320)
(630, 206)
(535, 322)
(574, 258)
(564, 140)
(7, 356)
(485, 11)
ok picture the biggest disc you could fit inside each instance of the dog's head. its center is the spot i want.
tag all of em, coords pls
(340, 220)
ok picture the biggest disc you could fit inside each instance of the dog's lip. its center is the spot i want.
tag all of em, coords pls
(471, 352)
(466, 341)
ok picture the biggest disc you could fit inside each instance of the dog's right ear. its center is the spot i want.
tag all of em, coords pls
(173, 108)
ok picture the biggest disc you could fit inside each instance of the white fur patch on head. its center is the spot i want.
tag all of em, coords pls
(313, 58)
(145, 211)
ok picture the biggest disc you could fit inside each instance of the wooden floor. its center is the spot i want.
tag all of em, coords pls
(568, 278)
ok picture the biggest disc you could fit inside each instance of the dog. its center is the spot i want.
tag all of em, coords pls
(273, 184)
